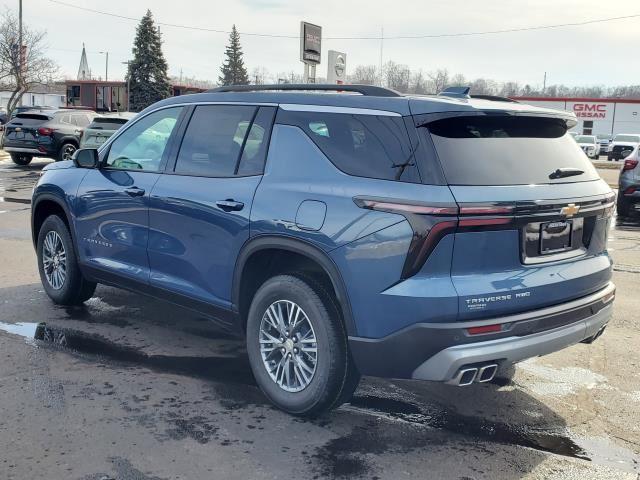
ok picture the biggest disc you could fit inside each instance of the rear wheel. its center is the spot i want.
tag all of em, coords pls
(66, 151)
(297, 346)
(21, 158)
(623, 206)
(58, 265)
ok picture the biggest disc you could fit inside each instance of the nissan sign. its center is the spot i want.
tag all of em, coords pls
(336, 67)
(310, 43)
(590, 110)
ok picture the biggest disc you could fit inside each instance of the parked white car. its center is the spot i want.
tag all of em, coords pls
(589, 145)
(622, 145)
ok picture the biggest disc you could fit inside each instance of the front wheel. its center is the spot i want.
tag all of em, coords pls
(21, 159)
(58, 266)
(66, 151)
(297, 346)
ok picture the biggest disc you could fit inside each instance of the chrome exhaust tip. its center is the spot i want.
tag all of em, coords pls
(464, 377)
(486, 373)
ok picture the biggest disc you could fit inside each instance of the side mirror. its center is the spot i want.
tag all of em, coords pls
(86, 158)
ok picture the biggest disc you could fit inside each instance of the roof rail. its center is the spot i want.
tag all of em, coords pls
(366, 90)
(456, 92)
(494, 98)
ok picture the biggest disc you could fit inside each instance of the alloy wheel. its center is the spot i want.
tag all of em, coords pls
(288, 346)
(54, 260)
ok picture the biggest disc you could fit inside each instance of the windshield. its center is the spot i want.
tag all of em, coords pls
(585, 139)
(627, 138)
(506, 150)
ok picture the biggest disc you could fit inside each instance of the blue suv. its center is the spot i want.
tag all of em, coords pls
(359, 232)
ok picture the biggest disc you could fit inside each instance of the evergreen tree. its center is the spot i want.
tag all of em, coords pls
(147, 73)
(233, 71)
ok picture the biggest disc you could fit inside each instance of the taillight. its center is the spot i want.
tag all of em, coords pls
(45, 132)
(629, 191)
(399, 207)
(431, 223)
(629, 165)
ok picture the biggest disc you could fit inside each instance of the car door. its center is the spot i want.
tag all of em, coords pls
(199, 210)
(112, 204)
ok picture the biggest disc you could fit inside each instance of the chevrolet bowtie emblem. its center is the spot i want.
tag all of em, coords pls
(570, 210)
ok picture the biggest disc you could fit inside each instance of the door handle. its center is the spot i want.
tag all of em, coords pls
(135, 191)
(230, 205)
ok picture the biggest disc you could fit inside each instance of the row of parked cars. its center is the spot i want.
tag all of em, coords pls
(616, 147)
(57, 133)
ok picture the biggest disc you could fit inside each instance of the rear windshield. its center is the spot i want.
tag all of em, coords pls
(107, 123)
(29, 119)
(585, 139)
(506, 150)
(627, 138)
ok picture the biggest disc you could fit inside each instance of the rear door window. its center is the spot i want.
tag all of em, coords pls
(507, 150)
(372, 146)
(214, 139)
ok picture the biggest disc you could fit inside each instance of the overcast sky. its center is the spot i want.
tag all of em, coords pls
(603, 53)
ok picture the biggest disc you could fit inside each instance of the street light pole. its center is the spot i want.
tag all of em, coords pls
(106, 66)
(128, 63)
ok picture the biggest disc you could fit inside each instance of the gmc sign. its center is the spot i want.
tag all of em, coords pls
(590, 110)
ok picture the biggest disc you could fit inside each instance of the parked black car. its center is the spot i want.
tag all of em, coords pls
(54, 134)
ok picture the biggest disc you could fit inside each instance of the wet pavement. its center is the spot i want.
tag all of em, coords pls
(130, 388)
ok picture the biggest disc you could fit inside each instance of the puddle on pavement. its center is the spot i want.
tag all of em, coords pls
(230, 369)
(24, 201)
(337, 455)
(477, 427)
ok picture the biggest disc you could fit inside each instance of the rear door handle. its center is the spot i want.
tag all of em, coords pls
(230, 205)
(135, 191)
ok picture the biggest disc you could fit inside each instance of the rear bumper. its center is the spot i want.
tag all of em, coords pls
(438, 351)
(31, 151)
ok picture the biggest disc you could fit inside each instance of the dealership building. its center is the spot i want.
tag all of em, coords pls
(596, 116)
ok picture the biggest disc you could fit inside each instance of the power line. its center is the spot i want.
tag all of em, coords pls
(374, 37)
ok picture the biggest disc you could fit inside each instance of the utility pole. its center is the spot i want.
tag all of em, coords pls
(20, 66)
(128, 64)
(381, 49)
(544, 83)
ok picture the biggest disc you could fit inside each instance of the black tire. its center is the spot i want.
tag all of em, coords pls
(623, 206)
(335, 377)
(66, 151)
(21, 159)
(75, 289)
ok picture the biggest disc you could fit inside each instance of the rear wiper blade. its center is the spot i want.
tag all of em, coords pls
(565, 172)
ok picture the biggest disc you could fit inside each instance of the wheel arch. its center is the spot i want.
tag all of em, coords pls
(298, 247)
(44, 205)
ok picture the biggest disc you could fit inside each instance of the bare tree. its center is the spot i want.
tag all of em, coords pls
(418, 83)
(22, 69)
(397, 76)
(364, 74)
(458, 80)
(439, 80)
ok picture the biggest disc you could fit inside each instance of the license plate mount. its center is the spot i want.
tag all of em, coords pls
(556, 237)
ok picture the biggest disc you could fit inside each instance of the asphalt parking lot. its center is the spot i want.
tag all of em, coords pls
(128, 388)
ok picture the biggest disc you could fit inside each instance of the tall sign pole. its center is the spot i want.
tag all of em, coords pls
(310, 49)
